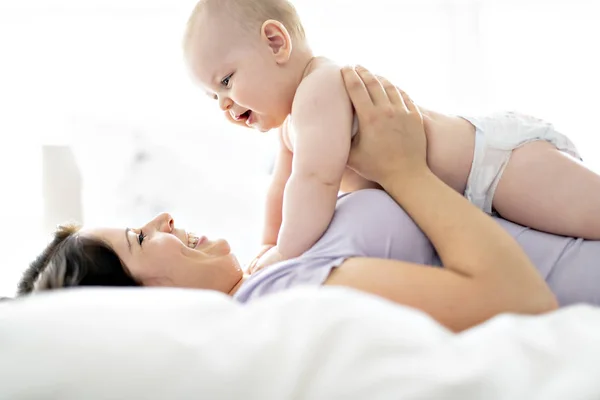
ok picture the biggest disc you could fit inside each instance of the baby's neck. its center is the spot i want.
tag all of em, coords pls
(308, 66)
(303, 62)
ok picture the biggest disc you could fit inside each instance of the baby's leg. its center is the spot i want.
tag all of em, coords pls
(550, 191)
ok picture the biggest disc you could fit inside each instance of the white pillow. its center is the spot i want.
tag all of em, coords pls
(312, 343)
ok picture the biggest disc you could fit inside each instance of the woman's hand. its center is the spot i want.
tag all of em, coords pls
(391, 142)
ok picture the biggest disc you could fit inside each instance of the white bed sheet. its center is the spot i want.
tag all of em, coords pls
(327, 343)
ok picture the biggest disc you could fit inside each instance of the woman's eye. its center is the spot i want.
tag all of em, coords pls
(226, 80)
(141, 237)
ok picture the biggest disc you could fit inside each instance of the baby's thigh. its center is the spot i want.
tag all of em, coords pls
(351, 182)
(548, 190)
(535, 173)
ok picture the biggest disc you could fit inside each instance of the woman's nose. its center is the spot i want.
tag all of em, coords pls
(164, 223)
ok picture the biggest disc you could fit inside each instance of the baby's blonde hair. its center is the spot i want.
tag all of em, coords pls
(250, 14)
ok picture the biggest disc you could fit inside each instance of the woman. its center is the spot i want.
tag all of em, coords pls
(371, 244)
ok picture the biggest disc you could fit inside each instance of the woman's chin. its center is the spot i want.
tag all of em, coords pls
(219, 247)
(236, 265)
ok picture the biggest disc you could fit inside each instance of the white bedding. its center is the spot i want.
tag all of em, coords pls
(327, 343)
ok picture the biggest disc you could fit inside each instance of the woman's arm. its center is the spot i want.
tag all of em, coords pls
(485, 273)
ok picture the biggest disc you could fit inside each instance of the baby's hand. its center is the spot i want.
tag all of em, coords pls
(270, 257)
(263, 250)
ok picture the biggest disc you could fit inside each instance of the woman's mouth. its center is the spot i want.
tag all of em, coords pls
(194, 240)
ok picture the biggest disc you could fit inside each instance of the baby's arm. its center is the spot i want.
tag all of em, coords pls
(321, 123)
(274, 203)
(274, 200)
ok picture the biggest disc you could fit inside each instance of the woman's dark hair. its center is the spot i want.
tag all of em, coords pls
(72, 259)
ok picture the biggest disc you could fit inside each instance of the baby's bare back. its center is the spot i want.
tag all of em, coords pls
(450, 145)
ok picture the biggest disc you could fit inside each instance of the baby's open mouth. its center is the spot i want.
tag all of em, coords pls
(245, 115)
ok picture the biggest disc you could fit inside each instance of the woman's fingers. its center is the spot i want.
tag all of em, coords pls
(410, 105)
(376, 91)
(369, 93)
(392, 91)
(357, 91)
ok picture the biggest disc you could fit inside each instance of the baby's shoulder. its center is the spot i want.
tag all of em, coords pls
(322, 79)
(320, 95)
(319, 70)
(320, 64)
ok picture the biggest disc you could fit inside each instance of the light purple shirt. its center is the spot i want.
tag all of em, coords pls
(369, 223)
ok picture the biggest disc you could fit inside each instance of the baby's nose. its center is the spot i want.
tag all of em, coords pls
(225, 103)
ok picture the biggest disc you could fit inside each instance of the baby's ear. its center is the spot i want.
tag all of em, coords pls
(278, 39)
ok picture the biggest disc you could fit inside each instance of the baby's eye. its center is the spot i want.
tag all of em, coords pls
(226, 80)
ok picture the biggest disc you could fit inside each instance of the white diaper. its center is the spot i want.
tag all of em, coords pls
(496, 136)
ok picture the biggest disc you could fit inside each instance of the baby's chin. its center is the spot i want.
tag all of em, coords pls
(263, 128)
(266, 124)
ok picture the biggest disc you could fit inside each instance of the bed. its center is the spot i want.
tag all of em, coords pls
(307, 343)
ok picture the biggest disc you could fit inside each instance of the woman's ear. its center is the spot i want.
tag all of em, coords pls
(278, 39)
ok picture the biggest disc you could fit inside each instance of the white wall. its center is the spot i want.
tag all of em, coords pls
(107, 78)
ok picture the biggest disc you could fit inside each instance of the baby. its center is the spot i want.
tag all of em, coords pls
(253, 58)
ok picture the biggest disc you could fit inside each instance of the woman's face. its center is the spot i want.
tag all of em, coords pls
(159, 254)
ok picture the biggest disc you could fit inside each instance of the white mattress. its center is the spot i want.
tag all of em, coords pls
(327, 343)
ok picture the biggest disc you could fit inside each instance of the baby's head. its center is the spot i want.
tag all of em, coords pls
(250, 56)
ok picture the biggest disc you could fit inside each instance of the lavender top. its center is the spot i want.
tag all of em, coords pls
(369, 223)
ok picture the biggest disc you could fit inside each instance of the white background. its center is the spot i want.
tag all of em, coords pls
(107, 78)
